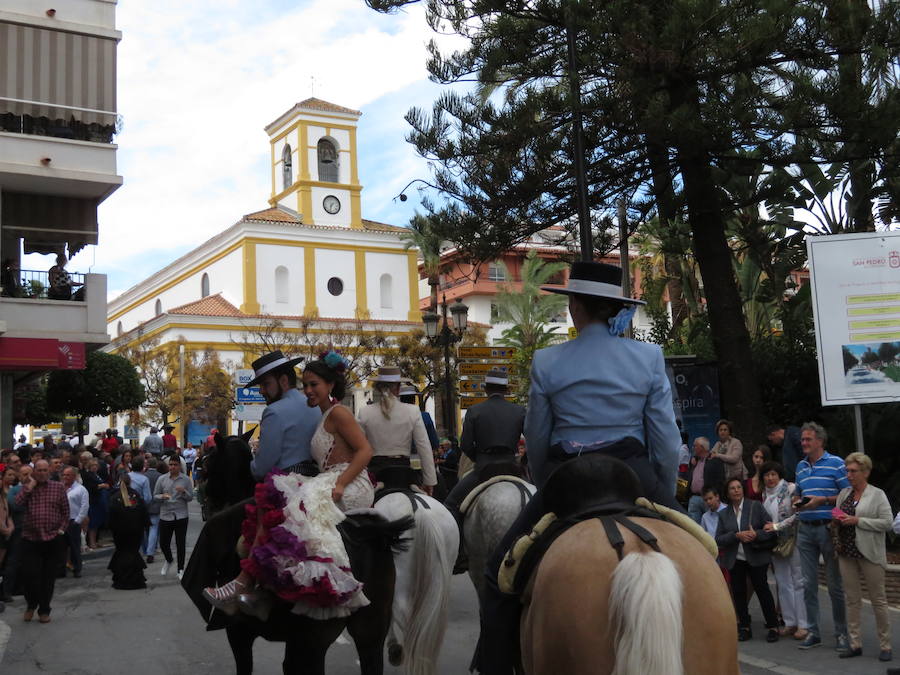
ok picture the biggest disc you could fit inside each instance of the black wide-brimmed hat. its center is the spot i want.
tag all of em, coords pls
(597, 279)
(268, 363)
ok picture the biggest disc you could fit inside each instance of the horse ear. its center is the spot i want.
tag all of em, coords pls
(247, 435)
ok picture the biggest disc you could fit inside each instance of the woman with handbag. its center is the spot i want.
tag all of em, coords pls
(861, 519)
(778, 502)
(745, 550)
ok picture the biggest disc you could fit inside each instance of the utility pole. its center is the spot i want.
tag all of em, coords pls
(624, 261)
(586, 237)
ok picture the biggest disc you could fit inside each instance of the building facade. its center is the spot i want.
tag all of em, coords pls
(478, 283)
(57, 163)
(309, 261)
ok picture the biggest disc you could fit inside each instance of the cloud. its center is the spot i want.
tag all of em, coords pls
(198, 81)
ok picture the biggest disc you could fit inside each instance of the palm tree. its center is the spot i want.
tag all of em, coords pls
(530, 310)
(422, 235)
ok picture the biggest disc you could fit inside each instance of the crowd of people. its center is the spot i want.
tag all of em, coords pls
(785, 516)
(61, 497)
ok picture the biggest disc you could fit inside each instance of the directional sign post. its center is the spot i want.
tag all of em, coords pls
(503, 353)
(468, 401)
(248, 395)
(482, 368)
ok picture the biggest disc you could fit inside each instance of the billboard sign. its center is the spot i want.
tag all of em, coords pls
(856, 307)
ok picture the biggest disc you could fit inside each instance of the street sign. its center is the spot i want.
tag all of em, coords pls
(486, 352)
(482, 368)
(131, 432)
(466, 402)
(248, 412)
(248, 395)
(476, 384)
(242, 376)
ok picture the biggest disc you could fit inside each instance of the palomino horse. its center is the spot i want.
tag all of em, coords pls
(370, 542)
(424, 566)
(586, 611)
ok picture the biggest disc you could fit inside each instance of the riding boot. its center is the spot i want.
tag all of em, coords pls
(462, 557)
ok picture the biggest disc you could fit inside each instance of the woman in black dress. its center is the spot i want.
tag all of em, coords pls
(127, 520)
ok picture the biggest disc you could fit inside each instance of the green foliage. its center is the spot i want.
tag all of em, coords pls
(35, 404)
(108, 384)
(530, 310)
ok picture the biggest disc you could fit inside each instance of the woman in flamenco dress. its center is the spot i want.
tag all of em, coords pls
(297, 552)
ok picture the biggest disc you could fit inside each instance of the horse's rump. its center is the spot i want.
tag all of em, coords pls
(566, 624)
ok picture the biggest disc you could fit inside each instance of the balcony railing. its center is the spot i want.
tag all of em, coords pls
(58, 128)
(36, 284)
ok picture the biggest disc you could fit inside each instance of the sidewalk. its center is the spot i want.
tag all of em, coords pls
(758, 656)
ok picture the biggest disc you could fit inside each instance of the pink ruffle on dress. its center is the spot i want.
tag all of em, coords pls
(299, 555)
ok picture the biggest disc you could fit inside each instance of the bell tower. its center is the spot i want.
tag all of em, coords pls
(314, 163)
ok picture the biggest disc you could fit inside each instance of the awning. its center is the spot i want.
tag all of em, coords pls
(41, 354)
(47, 223)
(56, 74)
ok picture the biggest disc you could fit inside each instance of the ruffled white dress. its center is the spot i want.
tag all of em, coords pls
(302, 557)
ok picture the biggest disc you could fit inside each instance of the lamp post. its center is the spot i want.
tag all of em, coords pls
(444, 336)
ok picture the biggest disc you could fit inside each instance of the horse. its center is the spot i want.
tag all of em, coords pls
(488, 513)
(371, 542)
(424, 567)
(226, 471)
(605, 598)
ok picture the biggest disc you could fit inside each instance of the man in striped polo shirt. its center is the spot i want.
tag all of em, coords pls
(820, 476)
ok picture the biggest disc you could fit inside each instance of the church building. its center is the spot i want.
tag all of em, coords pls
(309, 259)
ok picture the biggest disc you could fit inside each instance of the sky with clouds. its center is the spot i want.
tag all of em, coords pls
(199, 80)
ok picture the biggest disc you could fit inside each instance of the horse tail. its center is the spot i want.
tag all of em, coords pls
(645, 610)
(429, 603)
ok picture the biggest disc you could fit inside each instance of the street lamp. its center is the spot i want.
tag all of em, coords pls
(444, 336)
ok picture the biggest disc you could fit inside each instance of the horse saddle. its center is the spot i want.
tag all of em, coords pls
(522, 484)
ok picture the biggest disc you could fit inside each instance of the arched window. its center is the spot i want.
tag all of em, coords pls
(287, 173)
(387, 291)
(157, 308)
(119, 329)
(328, 160)
(282, 284)
(204, 285)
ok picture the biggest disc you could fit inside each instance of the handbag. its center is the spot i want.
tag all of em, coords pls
(786, 542)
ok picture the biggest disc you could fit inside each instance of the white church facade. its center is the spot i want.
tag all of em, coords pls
(309, 259)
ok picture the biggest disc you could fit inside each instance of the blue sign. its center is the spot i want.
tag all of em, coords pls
(248, 395)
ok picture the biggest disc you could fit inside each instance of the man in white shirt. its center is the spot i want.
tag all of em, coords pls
(79, 502)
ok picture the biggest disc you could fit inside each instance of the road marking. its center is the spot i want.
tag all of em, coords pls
(770, 666)
(5, 632)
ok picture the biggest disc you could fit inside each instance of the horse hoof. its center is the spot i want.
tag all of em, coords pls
(395, 655)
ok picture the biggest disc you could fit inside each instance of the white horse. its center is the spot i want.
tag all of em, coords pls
(489, 511)
(422, 590)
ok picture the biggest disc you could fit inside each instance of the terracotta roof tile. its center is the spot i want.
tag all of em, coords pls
(381, 227)
(273, 214)
(213, 305)
(325, 106)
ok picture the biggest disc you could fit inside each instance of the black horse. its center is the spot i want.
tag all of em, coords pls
(370, 541)
(226, 473)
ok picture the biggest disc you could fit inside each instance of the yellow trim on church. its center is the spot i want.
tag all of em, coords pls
(413, 270)
(309, 281)
(362, 292)
(250, 304)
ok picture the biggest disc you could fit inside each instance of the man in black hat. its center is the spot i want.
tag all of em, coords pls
(288, 423)
(490, 435)
(596, 393)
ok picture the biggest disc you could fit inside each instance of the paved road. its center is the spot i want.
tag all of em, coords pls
(97, 630)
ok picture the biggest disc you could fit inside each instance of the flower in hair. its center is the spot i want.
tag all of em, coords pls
(334, 360)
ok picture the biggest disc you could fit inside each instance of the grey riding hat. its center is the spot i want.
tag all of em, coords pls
(268, 363)
(597, 279)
